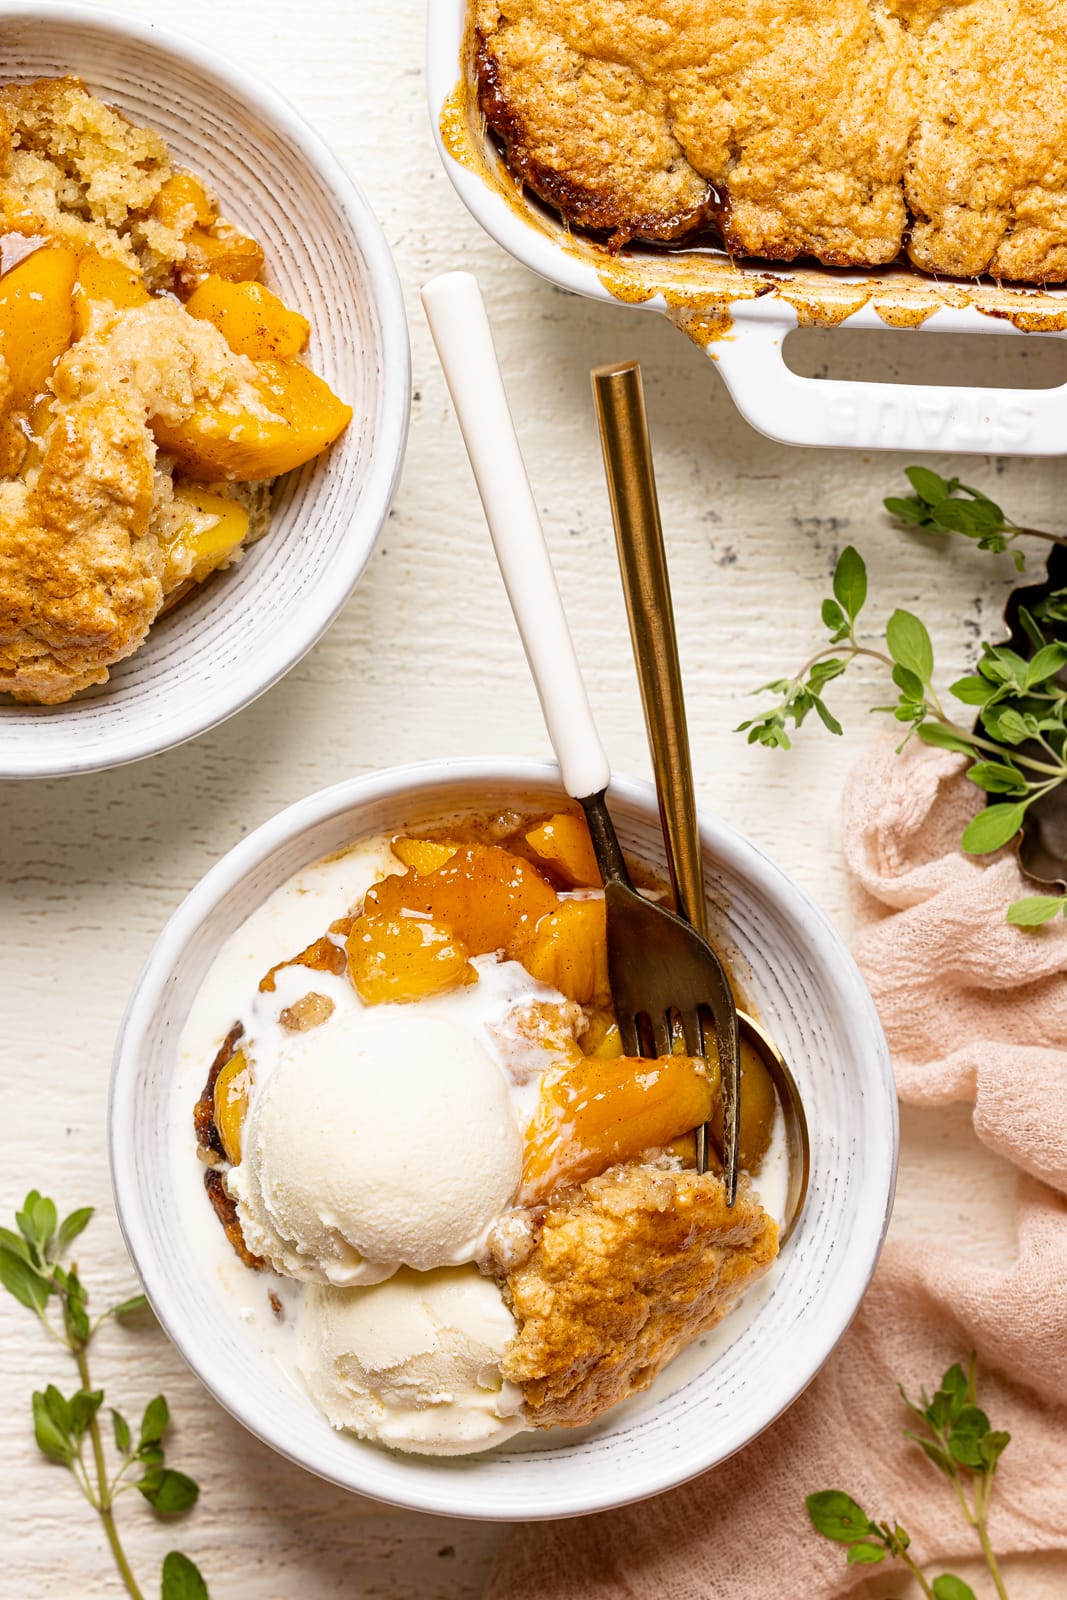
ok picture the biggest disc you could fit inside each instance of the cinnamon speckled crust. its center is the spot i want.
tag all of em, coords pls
(846, 130)
(621, 1274)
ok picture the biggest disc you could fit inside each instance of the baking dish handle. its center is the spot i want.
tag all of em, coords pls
(881, 416)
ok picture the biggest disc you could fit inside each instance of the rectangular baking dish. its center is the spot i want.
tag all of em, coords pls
(742, 314)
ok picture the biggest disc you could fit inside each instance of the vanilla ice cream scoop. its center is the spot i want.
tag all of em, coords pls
(413, 1363)
(373, 1141)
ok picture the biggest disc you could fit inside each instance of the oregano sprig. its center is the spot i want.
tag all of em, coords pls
(67, 1427)
(955, 1436)
(1019, 747)
(945, 505)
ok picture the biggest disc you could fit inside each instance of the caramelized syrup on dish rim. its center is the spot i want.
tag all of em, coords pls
(700, 285)
(291, 918)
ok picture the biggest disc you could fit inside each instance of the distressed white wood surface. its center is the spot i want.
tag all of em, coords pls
(425, 661)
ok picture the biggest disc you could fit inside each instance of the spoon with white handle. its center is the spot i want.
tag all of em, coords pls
(662, 974)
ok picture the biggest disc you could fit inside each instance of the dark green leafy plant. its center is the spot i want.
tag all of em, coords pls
(945, 505)
(1019, 748)
(955, 1436)
(67, 1427)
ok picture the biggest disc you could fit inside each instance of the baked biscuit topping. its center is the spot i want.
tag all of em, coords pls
(847, 130)
(623, 1272)
(149, 388)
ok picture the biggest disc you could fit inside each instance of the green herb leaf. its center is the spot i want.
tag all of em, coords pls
(1047, 663)
(83, 1408)
(993, 828)
(136, 1302)
(909, 684)
(911, 510)
(181, 1580)
(155, 1421)
(942, 738)
(826, 717)
(167, 1491)
(836, 1516)
(866, 1555)
(75, 1314)
(909, 644)
(997, 778)
(965, 1441)
(832, 615)
(71, 1227)
(929, 486)
(933, 1452)
(953, 1394)
(1037, 909)
(44, 1218)
(16, 1244)
(850, 582)
(52, 1441)
(20, 1279)
(58, 1409)
(993, 1447)
(121, 1430)
(973, 690)
(950, 1588)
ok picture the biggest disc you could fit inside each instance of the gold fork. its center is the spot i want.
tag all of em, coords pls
(664, 977)
(620, 408)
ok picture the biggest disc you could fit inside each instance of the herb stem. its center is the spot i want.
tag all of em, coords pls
(1039, 533)
(103, 1502)
(982, 1497)
(917, 1574)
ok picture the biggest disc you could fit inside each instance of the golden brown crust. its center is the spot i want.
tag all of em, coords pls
(553, 145)
(621, 1274)
(846, 130)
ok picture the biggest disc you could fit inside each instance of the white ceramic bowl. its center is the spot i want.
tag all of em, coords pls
(326, 255)
(804, 985)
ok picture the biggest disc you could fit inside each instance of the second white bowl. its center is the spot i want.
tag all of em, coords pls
(327, 257)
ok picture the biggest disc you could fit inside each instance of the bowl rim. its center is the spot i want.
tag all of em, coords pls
(462, 1497)
(385, 461)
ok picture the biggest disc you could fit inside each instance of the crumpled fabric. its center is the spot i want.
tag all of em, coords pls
(975, 1011)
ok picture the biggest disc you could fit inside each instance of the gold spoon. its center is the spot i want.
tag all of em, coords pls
(620, 406)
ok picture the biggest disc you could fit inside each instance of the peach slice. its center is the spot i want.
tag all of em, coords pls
(398, 959)
(486, 897)
(216, 528)
(422, 855)
(231, 1104)
(101, 279)
(598, 1113)
(36, 318)
(305, 416)
(569, 952)
(252, 320)
(564, 842)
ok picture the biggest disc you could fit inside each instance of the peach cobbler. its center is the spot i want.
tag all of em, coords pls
(424, 1118)
(151, 387)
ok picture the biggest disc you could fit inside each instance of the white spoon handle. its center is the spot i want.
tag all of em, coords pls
(460, 328)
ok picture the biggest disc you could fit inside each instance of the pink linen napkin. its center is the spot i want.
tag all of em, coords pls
(974, 1011)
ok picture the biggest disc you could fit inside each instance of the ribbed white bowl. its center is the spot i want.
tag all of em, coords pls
(327, 256)
(808, 992)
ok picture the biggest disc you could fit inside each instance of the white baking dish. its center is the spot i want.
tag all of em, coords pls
(743, 314)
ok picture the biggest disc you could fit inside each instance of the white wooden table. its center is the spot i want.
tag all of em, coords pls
(425, 660)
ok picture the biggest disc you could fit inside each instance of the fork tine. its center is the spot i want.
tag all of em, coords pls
(663, 1033)
(696, 1045)
(693, 1033)
(629, 1034)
